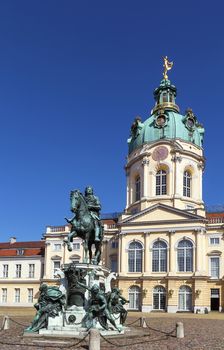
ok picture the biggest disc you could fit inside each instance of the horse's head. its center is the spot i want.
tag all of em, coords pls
(75, 197)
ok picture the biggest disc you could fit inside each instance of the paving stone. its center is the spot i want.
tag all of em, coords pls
(200, 334)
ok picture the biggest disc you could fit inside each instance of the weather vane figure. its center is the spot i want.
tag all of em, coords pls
(167, 66)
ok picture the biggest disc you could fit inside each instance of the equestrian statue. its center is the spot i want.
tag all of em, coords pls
(86, 224)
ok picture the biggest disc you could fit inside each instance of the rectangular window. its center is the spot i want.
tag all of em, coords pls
(4, 295)
(76, 246)
(214, 263)
(57, 247)
(114, 245)
(113, 264)
(18, 270)
(30, 295)
(5, 271)
(161, 188)
(31, 270)
(214, 240)
(57, 265)
(17, 295)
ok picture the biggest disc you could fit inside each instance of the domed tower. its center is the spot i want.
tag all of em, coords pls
(165, 160)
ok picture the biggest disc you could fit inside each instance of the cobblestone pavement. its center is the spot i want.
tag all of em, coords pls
(200, 333)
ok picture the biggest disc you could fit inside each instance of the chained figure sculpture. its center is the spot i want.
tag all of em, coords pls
(98, 308)
(116, 304)
(50, 302)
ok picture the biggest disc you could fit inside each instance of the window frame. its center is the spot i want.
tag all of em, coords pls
(137, 188)
(185, 249)
(54, 268)
(161, 184)
(4, 295)
(135, 297)
(185, 293)
(5, 274)
(159, 291)
(187, 184)
(17, 297)
(217, 276)
(136, 258)
(160, 250)
(31, 270)
(30, 295)
(18, 270)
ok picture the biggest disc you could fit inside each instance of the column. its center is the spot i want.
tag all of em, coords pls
(120, 252)
(172, 254)
(145, 164)
(200, 252)
(128, 188)
(146, 255)
(197, 258)
(46, 263)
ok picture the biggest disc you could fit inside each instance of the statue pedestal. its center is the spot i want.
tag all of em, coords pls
(71, 320)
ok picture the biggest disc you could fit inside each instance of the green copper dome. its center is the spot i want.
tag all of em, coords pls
(166, 122)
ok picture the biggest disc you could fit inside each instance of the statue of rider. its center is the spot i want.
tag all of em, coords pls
(94, 207)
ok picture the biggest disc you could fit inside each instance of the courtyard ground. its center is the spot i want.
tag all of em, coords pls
(201, 332)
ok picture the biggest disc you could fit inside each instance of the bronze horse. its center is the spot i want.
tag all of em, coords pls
(82, 225)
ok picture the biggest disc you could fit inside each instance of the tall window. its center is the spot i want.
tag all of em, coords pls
(187, 184)
(185, 256)
(113, 263)
(5, 271)
(159, 257)
(57, 265)
(137, 188)
(135, 257)
(18, 270)
(161, 182)
(17, 295)
(214, 267)
(159, 298)
(30, 295)
(185, 298)
(4, 295)
(31, 270)
(134, 296)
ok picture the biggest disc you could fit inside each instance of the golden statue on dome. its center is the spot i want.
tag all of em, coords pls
(167, 66)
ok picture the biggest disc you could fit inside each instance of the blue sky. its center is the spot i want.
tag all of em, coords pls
(74, 74)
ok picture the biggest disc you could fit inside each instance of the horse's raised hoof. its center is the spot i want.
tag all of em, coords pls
(69, 248)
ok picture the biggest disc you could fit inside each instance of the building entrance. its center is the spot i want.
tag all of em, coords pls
(214, 299)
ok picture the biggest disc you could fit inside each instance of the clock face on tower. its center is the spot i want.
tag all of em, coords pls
(160, 153)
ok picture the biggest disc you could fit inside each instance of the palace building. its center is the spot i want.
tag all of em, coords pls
(166, 247)
(21, 270)
(170, 254)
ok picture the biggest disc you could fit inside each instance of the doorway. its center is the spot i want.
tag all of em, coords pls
(214, 299)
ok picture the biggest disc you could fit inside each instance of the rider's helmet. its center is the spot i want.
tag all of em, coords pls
(88, 190)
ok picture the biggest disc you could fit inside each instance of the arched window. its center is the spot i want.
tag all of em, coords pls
(135, 257)
(134, 296)
(161, 182)
(159, 298)
(185, 299)
(185, 256)
(137, 188)
(187, 184)
(159, 257)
